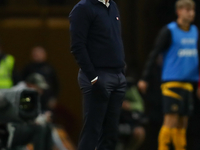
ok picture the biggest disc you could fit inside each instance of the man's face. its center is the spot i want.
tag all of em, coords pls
(187, 14)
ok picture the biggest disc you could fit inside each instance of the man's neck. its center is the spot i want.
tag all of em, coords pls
(106, 1)
(183, 24)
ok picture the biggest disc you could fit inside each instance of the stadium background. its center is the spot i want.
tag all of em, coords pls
(26, 23)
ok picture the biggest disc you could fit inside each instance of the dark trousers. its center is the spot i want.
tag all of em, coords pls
(101, 103)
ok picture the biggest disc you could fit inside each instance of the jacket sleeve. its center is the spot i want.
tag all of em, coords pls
(80, 21)
(163, 42)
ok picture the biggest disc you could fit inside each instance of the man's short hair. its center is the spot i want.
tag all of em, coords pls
(185, 3)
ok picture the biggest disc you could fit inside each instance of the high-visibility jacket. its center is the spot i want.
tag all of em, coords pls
(6, 70)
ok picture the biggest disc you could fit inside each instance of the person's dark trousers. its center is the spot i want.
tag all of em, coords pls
(101, 103)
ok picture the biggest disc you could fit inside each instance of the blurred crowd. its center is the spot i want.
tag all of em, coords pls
(141, 114)
(38, 74)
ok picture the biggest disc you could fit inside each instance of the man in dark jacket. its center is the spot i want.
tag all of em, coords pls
(98, 49)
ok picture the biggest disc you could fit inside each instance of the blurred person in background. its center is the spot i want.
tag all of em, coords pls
(40, 65)
(132, 118)
(34, 81)
(37, 82)
(17, 135)
(8, 74)
(178, 42)
(153, 103)
(41, 133)
(50, 135)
